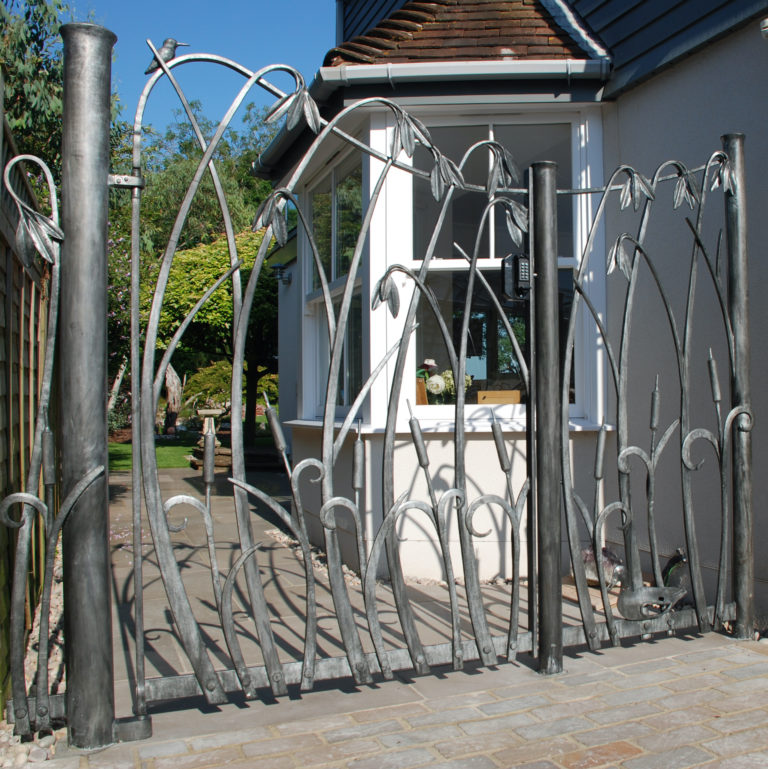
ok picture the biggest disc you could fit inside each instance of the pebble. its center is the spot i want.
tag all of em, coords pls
(37, 754)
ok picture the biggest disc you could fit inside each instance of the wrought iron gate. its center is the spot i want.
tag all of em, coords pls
(625, 505)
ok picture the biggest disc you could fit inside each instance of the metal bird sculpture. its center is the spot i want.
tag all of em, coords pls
(166, 53)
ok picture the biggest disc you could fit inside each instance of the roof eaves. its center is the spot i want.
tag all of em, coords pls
(705, 31)
(567, 20)
(328, 80)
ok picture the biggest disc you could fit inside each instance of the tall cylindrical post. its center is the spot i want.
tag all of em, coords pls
(83, 381)
(547, 435)
(741, 396)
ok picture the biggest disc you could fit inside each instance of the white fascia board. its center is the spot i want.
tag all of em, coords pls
(328, 79)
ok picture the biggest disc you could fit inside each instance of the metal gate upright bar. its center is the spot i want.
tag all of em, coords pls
(738, 304)
(83, 382)
(547, 435)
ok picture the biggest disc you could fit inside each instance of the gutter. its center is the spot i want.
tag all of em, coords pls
(328, 80)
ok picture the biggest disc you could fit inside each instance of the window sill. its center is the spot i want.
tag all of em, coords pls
(438, 425)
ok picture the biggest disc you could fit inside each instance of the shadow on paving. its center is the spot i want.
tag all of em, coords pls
(283, 576)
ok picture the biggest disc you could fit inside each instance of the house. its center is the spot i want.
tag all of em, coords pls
(590, 85)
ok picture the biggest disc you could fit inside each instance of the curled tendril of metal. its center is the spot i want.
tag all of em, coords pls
(35, 232)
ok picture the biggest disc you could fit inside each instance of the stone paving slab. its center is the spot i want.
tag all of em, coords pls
(668, 703)
(506, 718)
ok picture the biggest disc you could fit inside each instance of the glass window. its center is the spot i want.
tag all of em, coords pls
(337, 216)
(462, 218)
(550, 141)
(527, 144)
(351, 376)
(322, 230)
(493, 373)
(336, 206)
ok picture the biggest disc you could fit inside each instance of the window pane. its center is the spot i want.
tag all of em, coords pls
(463, 217)
(492, 368)
(349, 218)
(321, 230)
(351, 376)
(529, 143)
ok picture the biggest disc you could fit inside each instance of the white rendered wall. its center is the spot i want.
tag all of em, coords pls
(681, 114)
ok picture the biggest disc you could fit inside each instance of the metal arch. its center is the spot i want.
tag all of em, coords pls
(631, 253)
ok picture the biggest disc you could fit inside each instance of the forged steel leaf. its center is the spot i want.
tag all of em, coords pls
(295, 112)
(396, 144)
(311, 112)
(264, 213)
(450, 172)
(624, 261)
(618, 257)
(24, 245)
(392, 296)
(37, 233)
(694, 193)
(520, 214)
(420, 130)
(680, 195)
(386, 291)
(626, 193)
(47, 226)
(407, 137)
(515, 232)
(43, 233)
(494, 176)
(280, 226)
(436, 182)
(510, 166)
(726, 173)
(280, 107)
(640, 188)
(377, 299)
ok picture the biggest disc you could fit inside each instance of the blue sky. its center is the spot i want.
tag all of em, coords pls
(253, 33)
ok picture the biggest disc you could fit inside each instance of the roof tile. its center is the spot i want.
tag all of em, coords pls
(463, 30)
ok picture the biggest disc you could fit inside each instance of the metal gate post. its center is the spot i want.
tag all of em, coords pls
(547, 435)
(741, 396)
(83, 382)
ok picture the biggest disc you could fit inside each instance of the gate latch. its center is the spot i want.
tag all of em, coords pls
(516, 272)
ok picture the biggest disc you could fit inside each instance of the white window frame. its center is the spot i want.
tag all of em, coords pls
(391, 241)
(315, 346)
(587, 172)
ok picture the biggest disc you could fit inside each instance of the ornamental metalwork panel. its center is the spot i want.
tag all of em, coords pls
(331, 623)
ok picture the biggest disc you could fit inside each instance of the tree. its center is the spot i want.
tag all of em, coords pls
(170, 162)
(210, 334)
(31, 53)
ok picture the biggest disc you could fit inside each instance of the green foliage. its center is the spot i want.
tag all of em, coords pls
(31, 55)
(120, 416)
(268, 384)
(170, 162)
(193, 272)
(210, 386)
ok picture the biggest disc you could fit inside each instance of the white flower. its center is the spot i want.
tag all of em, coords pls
(436, 384)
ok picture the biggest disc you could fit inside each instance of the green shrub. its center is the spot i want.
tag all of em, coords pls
(211, 385)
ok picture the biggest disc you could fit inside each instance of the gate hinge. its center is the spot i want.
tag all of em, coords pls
(125, 180)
